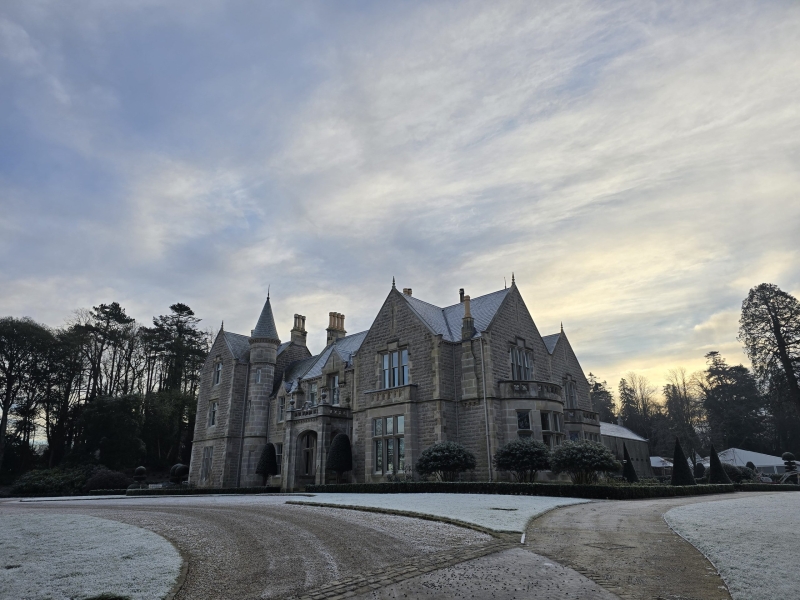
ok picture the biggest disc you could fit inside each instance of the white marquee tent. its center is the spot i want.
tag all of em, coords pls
(763, 462)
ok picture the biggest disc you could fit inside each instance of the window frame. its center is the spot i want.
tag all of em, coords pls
(333, 385)
(213, 408)
(313, 392)
(521, 363)
(395, 370)
(217, 372)
(279, 456)
(388, 444)
(206, 463)
(525, 433)
(281, 408)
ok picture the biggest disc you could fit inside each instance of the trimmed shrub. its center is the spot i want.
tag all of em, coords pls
(788, 461)
(53, 482)
(140, 474)
(716, 473)
(628, 470)
(445, 460)
(177, 473)
(565, 490)
(583, 461)
(340, 456)
(523, 458)
(751, 465)
(699, 472)
(187, 491)
(766, 487)
(739, 474)
(108, 492)
(104, 479)
(268, 463)
(681, 472)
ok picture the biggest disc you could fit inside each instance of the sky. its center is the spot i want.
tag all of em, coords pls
(634, 164)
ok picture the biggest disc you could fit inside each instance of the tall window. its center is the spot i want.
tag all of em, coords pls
(524, 424)
(258, 375)
(212, 413)
(279, 456)
(208, 459)
(312, 394)
(552, 427)
(521, 364)
(217, 372)
(389, 444)
(309, 446)
(333, 384)
(395, 368)
(281, 407)
(571, 392)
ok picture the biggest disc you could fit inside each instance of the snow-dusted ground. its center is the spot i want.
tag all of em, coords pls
(69, 556)
(753, 541)
(495, 512)
(498, 513)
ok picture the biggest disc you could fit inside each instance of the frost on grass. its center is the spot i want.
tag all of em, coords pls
(750, 540)
(498, 513)
(55, 557)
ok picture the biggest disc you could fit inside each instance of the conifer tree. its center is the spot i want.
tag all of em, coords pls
(340, 456)
(628, 471)
(681, 472)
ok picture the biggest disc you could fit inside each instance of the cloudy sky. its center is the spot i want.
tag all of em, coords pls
(634, 163)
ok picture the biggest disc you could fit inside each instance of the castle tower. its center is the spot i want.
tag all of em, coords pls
(264, 342)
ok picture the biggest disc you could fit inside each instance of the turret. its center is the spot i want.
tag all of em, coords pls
(264, 340)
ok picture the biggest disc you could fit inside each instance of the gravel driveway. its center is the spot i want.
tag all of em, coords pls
(262, 548)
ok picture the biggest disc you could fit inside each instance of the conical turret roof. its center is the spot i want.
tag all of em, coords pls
(265, 328)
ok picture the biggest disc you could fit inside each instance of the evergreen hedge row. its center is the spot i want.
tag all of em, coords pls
(193, 491)
(594, 491)
(767, 487)
(121, 492)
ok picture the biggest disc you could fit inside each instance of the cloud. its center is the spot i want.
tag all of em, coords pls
(634, 163)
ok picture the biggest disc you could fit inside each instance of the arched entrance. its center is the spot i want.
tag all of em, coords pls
(307, 455)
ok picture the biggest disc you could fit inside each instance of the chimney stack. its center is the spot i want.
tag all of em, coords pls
(407, 291)
(335, 327)
(468, 323)
(299, 330)
(461, 295)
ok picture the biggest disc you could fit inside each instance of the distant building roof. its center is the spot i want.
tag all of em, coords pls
(239, 345)
(618, 431)
(740, 458)
(310, 368)
(658, 462)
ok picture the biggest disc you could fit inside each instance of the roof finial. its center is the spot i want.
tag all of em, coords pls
(393, 284)
(222, 325)
(268, 287)
(562, 326)
(505, 285)
(512, 278)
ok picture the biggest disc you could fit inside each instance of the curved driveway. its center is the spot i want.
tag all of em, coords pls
(261, 548)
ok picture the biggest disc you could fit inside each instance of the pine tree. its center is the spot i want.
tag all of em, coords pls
(628, 471)
(681, 472)
(267, 464)
(716, 474)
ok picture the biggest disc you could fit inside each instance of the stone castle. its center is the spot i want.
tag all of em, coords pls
(477, 372)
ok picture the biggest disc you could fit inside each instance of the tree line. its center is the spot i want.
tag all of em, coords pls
(723, 405)
(102, 387)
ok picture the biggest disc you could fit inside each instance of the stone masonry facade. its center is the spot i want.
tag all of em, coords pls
(477, 372)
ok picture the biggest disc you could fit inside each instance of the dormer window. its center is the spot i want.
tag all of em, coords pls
(217, 372)
(395, 368)
(521, 363)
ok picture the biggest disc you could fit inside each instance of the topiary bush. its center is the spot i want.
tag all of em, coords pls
(340, 456)
(445, 460)
(268, 463)
(105, 479)
(788, 461)
(739, 474)
(523, 459)
(751, 465)
(628, 470)
(699, 472)
(583, 461)
(681, 472)
(177, 473)
(716, 473)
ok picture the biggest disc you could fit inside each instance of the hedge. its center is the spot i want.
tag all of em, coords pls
(121, 492)
(607, 492)
(767, 487)
(193, 491)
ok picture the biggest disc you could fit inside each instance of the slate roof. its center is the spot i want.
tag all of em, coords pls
(310, 368)
(447, 321)
(550, 341)
(618, 431)
(265, 328)
(239, 345)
